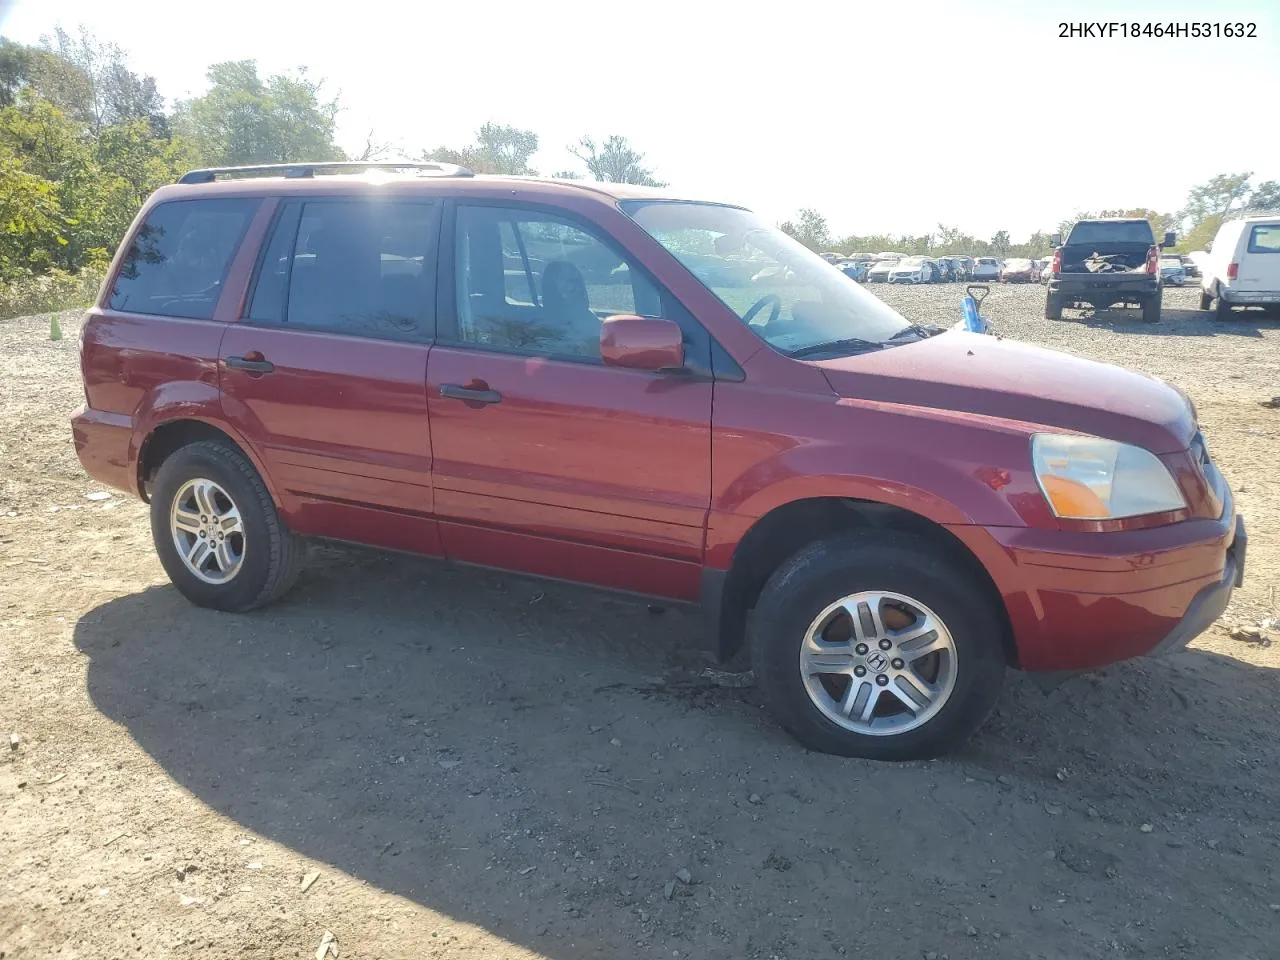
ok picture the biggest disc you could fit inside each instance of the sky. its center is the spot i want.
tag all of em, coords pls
(884, 116)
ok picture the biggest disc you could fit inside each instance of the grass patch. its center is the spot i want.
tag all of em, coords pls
(49, 292)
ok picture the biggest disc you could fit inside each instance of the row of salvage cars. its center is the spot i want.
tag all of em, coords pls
(904, 268)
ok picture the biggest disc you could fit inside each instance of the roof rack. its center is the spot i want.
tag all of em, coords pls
(306, 170)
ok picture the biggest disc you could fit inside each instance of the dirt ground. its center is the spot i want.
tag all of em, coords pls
(485, 766)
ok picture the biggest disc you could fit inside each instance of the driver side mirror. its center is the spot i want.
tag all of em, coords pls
(1056, 240)
(1170, 238)
(641, 343)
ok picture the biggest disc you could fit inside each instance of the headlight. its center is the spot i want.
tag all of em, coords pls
(1088, 478)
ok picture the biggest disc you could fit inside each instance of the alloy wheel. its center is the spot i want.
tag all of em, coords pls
(878, 663)
(208, 531)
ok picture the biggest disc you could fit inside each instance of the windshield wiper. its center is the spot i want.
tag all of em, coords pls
(836, 345)
(917, 330)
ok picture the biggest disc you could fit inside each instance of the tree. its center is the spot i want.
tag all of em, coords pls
(498, 149)
(93, 84)
(810, 228)
(1000, 242)
(566, 175)
(245, 120)
(1217, 196)
(1265, 196)
(614, 161)
(31, 222)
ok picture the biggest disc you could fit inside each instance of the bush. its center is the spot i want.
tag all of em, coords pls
(48, 292)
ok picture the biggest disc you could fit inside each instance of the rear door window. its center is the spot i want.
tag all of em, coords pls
(1265, 238)
(353, 267)
(177, 261)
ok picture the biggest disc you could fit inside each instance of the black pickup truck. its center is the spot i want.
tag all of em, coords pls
(1105, 262)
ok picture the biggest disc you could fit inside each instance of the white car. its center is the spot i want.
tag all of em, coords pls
(986, 268)
(880, 270)
(911, 270)
(1242, 267)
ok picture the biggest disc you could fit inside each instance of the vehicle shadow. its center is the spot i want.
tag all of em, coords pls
(1180, 322)
(540, 761)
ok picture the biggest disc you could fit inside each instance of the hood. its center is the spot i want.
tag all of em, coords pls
(901, 267)
(979, 374)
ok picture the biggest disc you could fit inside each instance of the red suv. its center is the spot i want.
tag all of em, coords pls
(610, 385)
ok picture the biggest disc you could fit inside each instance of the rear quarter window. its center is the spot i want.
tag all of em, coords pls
(177, 261)
(1265, 238)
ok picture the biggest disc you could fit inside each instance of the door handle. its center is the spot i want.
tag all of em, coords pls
(470, 394)
(253, 363)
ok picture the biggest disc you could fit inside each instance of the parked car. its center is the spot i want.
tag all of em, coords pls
(854, 269)
(985, 268)
(946, 271)
(1243, 266)
(1045, 264)
(1195, 263)
(879, 271)
(1190, 267)
(911, 270)
(1172, 271)
(269, 362)
(1104, 262)
(964, 267)
(1020, 270)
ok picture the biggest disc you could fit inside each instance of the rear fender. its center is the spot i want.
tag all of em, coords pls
(189, 400)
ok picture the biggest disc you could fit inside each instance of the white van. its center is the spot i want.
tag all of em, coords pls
(1243, 266)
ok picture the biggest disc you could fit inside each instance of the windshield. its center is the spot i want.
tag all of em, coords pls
(1102, 231)
(911, 263)
(787, 294)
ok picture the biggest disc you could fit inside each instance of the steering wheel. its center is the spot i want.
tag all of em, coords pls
(759, 305)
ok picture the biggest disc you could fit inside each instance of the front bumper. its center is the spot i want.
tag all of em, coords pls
(1208, 605)
(1079, 601)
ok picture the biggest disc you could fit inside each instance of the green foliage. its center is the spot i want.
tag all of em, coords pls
(84, 141)
(243, 119)
(31, 218)
(49, 291)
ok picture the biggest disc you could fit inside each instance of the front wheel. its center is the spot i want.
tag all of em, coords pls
(217, 532)
(1151, 309)
(864, 647)
(1206, 301)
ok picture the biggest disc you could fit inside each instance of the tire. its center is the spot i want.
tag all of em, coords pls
(906, 567)
(270, 555)
(1052, 307)
(1151, 310)
(1221, 309)
(1206, 301)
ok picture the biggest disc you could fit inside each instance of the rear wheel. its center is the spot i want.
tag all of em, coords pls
(1052, 308)
(1222, 309)
(1206, 301)
(882, 649)
(1151, 309)
(217, 532)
